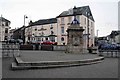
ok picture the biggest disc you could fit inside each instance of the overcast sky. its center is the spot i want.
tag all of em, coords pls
(105, 12)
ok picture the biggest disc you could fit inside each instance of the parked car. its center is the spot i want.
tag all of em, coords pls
(118, 46)
(109, 47)
(20, 41)
(11, 41)
(49, 43)
(35, 42)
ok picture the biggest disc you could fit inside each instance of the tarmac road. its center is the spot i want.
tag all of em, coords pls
(107, 69)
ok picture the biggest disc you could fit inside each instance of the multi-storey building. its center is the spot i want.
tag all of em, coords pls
(42, 30)
(19, 33)
(4, 29)
(11, 32)
(55, 29)
(86, 20)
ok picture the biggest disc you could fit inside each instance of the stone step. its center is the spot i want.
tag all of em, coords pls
(20, 65)
(44, 63)
(16, 67)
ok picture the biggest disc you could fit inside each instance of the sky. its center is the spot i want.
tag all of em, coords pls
(105, 12)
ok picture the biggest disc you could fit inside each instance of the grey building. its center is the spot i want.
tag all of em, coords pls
(4, 29)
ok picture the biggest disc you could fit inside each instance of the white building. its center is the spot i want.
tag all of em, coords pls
(4, 29)
(84, 16)
(42, 29)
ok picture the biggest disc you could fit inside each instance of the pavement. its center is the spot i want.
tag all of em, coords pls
(53, 56)
(106, 69)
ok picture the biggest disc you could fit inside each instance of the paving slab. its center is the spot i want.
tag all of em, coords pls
(53, 56)
(107, 69)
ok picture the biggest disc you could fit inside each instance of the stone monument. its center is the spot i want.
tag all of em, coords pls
(75, 36)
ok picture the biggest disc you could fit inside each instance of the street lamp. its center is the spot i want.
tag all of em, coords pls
(25, 17)
(74, 11)
(97, 32)
(75, 21)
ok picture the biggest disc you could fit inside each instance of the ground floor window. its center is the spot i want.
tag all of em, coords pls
(42, 39)
(52, 39)
(33, 38)
(46, 38)
(39, 39)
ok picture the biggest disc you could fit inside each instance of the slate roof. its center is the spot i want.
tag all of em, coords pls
(3, 19)
(80, 11)
(44, 21)
(115, 33)
(19, 29)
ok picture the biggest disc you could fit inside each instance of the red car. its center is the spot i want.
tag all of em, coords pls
(49, 43)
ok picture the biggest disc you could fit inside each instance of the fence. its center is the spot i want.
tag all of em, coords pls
(109, 53)
(10, 50)
(43, 47)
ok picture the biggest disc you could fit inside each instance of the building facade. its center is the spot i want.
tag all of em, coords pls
(115, 37)
(84, 16)
(55, 29)
(4, 29)
(11, 33)
(42, 30)
(19, 33)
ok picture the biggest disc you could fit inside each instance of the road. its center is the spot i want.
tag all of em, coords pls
(107, 69)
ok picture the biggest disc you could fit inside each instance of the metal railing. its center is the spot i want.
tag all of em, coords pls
(10, 50)
(109, 53)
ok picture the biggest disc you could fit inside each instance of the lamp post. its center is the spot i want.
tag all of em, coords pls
(24, 19)
(23, 30)
(74, 11)
(97, 32)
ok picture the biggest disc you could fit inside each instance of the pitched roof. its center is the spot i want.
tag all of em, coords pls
(115, 33)
(44, 21)
(80, 11)
(3, 19)
(19, 29)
